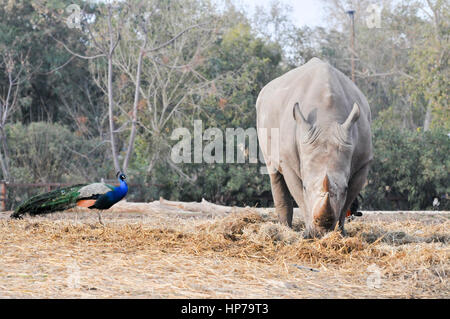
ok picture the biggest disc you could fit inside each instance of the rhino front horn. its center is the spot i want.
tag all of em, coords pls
(323, 213)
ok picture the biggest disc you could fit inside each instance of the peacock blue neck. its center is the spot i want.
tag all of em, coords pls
(121, 191)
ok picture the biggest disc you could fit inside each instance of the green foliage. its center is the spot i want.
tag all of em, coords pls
(409, 169)
(59, 87)
(47, 152)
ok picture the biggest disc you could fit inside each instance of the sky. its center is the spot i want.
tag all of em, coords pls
(304, 12)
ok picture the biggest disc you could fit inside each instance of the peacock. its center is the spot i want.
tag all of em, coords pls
(97, 196)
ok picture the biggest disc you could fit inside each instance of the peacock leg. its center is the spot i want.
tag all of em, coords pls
(100, 219)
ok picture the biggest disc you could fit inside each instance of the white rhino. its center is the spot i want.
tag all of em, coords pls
(314, 132)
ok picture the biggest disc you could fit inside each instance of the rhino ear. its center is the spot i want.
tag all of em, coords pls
(300, 119)
(351, 119)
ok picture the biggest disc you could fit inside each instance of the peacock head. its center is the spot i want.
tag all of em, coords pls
(121, 176)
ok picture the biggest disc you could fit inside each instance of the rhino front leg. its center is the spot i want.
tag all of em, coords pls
(281, 198)
(354, 187)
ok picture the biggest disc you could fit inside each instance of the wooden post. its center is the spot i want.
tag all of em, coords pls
(3, 196)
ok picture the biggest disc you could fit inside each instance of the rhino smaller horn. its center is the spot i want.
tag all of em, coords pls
(300, 119)
(351, 119)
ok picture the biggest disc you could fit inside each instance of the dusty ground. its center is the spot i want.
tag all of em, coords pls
(154, 253)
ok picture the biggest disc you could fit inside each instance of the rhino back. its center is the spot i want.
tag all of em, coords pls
(326, 96)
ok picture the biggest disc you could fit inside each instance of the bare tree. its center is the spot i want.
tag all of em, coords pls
(142, 48)
(162, 56)
(158, 46)
(14, 69)
(103, 40)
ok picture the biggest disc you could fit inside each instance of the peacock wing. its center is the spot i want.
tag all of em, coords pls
(94, 190)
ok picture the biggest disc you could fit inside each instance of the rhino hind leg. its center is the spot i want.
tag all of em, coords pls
(282, 199)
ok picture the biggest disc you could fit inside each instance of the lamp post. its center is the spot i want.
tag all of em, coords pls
(351, 13)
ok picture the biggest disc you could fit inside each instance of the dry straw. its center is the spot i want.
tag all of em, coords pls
(242, 255)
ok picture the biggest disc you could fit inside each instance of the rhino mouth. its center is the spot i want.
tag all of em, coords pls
(326, 223)
(315, 232)
(323, 212)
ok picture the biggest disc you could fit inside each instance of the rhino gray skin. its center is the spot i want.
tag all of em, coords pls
(314, 131)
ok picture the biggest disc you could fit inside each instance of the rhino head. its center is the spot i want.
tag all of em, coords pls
(325, 155)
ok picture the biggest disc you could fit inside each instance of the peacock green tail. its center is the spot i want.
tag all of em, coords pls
(57, 200)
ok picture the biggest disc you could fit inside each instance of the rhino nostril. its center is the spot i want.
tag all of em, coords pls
(321, 221)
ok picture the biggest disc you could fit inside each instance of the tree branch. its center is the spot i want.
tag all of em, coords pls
(174, 38)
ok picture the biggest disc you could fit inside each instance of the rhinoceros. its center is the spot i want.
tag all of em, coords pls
(314, 131)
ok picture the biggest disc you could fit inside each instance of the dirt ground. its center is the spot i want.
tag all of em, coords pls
(159, 253)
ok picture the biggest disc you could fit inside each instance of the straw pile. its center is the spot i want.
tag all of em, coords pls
(239, 255)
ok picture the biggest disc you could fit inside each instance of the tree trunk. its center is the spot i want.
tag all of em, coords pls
(110, 94)
(4, 169)
(111, 116)
(4, 156)
(135, 107)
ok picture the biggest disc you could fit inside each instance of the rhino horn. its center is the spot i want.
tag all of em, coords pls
(300, 119)
(323, 213)
(351, 119)
(326, 184)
